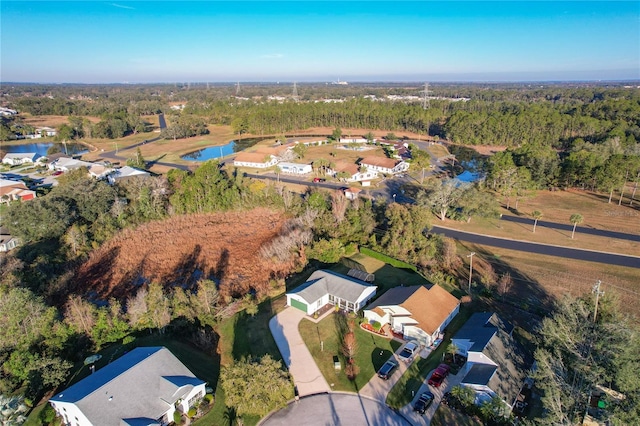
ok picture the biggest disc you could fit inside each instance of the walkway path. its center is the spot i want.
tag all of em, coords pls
(306, 374)
(548, 249)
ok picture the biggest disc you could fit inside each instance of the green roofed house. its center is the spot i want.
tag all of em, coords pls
(329, 288)
(143, 387)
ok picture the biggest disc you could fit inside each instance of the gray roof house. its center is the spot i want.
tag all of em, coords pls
(143, 387)
(330, 288)
(496, 364)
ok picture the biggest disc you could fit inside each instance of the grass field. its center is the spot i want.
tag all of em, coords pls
(372, 351)
(558, 207)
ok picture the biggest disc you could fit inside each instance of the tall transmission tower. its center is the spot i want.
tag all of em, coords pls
(425, 96)
(237, 88)
(207, 85)
(295, 92)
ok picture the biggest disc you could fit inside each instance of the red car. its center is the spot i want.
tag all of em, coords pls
(438, 376)
(58, 173)
(316, 180)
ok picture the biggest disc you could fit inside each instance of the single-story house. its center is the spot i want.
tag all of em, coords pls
(255, 159)
(99, 171)
(7, 241)
(46, 131)
(352, 140)
(66, 164)
(352, 193)
(16, 158)
(496, 364)
(385, 165)
(126, 173)
(354, 172)
(295, 168)
(11, 190)
(330, 288)
(143, 387)
(415, 312)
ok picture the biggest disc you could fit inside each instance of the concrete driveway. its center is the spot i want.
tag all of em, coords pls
(378, 388)
(417, 419)
(306, 374)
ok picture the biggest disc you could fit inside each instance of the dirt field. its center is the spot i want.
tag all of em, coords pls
(183, 249)
(50, 120)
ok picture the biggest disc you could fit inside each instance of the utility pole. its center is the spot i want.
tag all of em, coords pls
(596, 290)
(470, 256)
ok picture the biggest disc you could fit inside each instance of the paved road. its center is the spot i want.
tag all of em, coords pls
(551, 250)
(306, 375)
(580, 229)
(336, 409)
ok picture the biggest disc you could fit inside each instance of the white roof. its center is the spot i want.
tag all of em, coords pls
(21, 155)
(128, 171)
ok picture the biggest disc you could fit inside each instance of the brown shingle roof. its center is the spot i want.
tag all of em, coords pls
(389, 163)
(430, 307)
(342, 166)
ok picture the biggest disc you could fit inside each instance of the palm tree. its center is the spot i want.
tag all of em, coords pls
(536, 214)
(277, 170)
(576, 219)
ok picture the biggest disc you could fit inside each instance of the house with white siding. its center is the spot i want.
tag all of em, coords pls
(415, 312)
(384, 165)
(143, 387)
(255, 159)
(352, 172)
(17, 158)
(126, 173)
(326, 287)
(295, 168)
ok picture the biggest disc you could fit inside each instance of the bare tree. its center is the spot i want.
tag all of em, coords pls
(339, 204)
(137, 307)
(80, 314)
(504, 284)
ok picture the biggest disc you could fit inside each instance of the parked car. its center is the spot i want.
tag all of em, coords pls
(423, 402)
(57, 173)
(387, 369)
(316, 180)
(408, 352)
(438, 376)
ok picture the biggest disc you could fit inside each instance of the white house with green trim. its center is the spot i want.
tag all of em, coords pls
(330, 288)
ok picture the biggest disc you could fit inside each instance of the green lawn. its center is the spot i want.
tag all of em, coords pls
(372, 351)
(416, 374)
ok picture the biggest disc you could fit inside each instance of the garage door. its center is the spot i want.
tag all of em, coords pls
(299, 305)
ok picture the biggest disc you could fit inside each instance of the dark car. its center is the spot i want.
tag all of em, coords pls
(387, 369)
(438, 376)
(423, 402)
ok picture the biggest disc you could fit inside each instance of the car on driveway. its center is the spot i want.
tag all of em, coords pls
(423, 403)
(387, 369)
(438, 376)
(408, 352)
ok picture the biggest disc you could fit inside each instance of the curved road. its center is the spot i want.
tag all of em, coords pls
(548, 249)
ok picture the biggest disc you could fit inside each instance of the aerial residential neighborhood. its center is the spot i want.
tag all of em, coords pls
(319, 213)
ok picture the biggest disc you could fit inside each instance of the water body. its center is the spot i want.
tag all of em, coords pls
(43, 148)
(213, 152)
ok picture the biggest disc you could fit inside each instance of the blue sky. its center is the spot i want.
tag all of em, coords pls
(151, 41)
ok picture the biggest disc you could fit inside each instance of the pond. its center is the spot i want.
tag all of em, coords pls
(219, 151)
(43, 148)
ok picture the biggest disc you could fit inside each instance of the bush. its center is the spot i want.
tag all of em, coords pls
(376, 325)
(209, 398)
(177, 417)
(192, 412)
(127, 340)
(47, 415)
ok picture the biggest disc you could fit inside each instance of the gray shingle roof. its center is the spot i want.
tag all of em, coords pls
(479, 374)
(139, 385)
(480, 328)
(327, 282)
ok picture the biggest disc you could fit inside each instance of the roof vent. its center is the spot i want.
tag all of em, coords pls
(110, 398)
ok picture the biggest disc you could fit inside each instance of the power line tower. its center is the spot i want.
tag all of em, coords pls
(207, 85)
(295, 92)
(425, 96)
(237, 88)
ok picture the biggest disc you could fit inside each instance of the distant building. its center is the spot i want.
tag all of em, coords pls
(295, 168)
(11, 190)
(17, 158)
(384, 165)
(353, 140)
(7, 241)
(255, 159)
(355, 174)
(143, 387)
(126, 173)
(66, 164)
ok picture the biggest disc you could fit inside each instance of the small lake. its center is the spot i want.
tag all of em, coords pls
(219, 151)
(43, 148)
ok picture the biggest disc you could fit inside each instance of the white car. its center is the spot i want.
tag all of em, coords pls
(408, 352)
